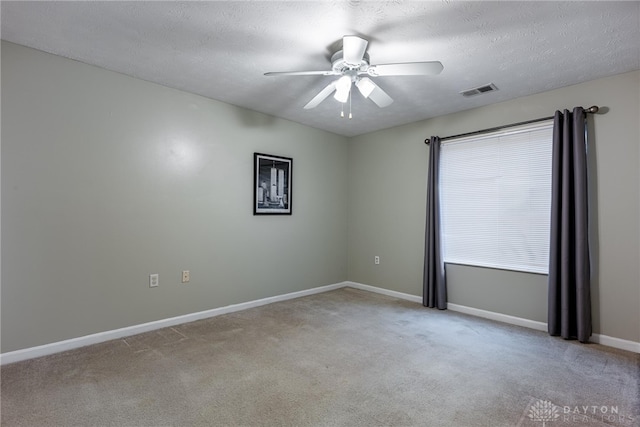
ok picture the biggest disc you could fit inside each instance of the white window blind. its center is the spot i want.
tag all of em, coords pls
(495, 192)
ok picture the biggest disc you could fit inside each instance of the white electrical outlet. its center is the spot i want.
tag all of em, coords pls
(154, 280)
(376, 260)
(185, 276)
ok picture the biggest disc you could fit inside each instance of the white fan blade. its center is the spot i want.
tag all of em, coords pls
(324, 93)
(353, 48)
(302, 73)
(406, 69)
(380, 97)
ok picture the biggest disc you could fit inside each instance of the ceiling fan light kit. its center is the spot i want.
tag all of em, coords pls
(365, 86)
(353, 66)
(343, 88)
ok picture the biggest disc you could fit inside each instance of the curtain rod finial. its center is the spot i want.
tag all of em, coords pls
(427, 141)
(593, 109)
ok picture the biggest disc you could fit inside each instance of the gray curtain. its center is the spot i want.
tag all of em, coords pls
(569, 313)
(434, 293)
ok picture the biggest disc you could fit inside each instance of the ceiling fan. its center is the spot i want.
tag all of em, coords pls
(352, 65)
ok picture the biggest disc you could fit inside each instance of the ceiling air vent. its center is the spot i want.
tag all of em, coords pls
(478, 90)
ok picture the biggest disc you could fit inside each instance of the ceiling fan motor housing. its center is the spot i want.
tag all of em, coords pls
(339, 65)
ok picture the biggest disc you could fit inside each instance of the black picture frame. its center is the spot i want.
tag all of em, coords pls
(272, 184)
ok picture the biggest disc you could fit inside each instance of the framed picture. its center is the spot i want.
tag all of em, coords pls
(271, 184)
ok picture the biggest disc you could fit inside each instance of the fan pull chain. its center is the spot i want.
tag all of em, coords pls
(342, 110)
(350, 116)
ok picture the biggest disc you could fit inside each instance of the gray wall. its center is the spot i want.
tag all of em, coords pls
(107, 178)
(387, 181)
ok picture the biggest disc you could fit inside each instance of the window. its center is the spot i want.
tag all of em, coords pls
(495, 192)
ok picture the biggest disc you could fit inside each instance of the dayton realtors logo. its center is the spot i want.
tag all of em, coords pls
(543, 411)
(594, 413)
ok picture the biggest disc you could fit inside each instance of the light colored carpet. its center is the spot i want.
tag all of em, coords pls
(341, 358)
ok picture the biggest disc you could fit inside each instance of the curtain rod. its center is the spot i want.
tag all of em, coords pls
(591, 110)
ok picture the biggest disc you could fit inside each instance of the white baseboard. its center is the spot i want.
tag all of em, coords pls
(542, 326)
(387, 292)
(70, 344)
(456, 307)
(616, 342)
(57, 347)
(505, 318)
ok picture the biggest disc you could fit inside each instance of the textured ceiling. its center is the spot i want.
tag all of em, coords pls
(221, 49)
